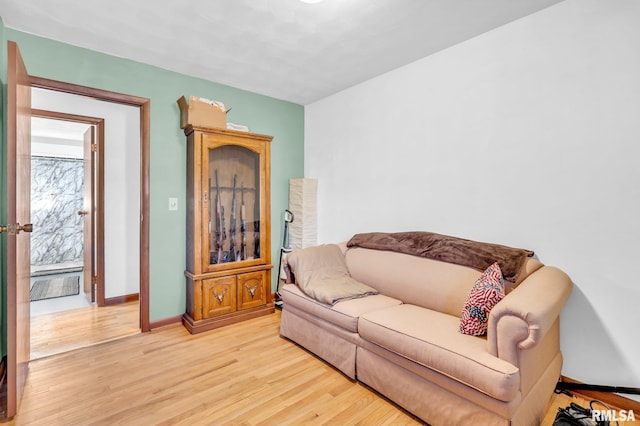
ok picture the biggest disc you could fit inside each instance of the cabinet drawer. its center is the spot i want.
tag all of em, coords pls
(251, 289)
(218, 296)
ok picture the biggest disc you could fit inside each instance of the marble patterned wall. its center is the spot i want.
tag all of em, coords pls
(56, 198)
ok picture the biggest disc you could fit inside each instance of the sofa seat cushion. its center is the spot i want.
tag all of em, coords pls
(432, 339)
(343, 314)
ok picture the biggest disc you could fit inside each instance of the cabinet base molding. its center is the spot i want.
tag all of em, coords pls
(220, 321)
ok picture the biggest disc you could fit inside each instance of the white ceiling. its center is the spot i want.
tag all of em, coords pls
(281, 48)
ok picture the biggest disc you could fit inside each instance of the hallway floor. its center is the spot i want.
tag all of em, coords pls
(63, 331)
(67, 323)
(47, 306)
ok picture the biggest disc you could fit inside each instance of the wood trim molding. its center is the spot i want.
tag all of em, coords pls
(166, 322)
(614, 400)
(75, 89)
(121, 299)
(3, 369)
(99, 123)
(3, 389)
(145, 191)
(65, 117)
(144, 105)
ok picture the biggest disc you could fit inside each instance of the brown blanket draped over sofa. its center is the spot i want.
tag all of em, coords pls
(448, 249)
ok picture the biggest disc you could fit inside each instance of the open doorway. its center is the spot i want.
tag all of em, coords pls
(18, 112)
(103, 300)
(57, 202)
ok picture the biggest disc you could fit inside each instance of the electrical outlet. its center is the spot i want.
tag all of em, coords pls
(173, 204)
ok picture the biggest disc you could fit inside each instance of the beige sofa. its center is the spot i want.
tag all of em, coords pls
(405, 341)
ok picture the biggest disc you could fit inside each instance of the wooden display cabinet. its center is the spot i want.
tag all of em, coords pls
(228, 227)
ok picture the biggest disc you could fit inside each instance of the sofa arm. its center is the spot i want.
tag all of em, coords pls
(523, 317)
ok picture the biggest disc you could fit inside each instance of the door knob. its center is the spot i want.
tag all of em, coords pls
(26, 228)
(82, 212)
(14, 229)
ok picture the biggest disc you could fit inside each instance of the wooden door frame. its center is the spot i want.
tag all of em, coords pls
(144, 106)
(99, 202)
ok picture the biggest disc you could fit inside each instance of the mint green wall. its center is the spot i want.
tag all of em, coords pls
(283, 120)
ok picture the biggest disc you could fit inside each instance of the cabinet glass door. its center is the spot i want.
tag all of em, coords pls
(234, 208)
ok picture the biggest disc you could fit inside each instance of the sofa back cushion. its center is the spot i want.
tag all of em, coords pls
(430, 283)
(416, 280)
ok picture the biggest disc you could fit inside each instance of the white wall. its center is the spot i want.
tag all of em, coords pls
(53, 147)
(526, 136)
(122, 183)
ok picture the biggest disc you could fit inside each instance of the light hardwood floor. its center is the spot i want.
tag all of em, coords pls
(240, 374)
(59, 332)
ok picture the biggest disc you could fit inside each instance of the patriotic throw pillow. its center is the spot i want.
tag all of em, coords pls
(485, 293)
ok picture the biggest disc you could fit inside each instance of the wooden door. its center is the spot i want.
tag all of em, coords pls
(88, 213)
(18, 217)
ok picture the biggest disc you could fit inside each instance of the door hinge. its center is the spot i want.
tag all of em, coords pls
(94, 280)
(94, 147)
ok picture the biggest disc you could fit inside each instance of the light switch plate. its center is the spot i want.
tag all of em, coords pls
(173, 204)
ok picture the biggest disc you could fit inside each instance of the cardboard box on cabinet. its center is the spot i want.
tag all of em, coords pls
(200, 112)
